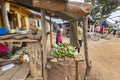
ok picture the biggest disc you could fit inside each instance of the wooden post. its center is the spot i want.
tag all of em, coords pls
(88, 64)
(77, 70)
(35, 53)
(4, 14)
(44, 44)
(50, 32)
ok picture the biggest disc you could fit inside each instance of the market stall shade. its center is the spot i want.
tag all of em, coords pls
(59, 5)
(57, 8)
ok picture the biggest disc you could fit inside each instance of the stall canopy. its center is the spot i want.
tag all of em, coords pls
(57, 8)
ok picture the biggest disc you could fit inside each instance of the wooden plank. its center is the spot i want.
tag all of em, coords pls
(23, 40)
(34, 78)
(22, 73)
(1, 72)
(10, 73)
(21, 36)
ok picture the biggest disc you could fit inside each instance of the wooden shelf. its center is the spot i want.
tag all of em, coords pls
(22, 40)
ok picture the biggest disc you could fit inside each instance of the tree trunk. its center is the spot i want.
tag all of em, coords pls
(4, 14)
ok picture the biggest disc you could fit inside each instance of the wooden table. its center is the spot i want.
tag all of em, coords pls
(18, 72)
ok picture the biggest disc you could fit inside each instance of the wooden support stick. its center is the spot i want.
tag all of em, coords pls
(50, 32)
(88, 64)
(44, 44)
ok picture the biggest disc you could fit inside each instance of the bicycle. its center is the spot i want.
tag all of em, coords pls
(96, 36)
(117, 35)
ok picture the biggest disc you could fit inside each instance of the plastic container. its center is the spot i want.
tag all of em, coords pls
(3, 31)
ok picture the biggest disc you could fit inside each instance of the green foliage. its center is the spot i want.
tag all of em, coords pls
(103, 8)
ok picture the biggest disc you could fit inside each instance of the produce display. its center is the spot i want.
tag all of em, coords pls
(21, 55)
(63, 49)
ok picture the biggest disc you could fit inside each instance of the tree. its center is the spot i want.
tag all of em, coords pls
(103, 8)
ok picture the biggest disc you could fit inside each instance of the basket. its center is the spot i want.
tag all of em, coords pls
(3, 31)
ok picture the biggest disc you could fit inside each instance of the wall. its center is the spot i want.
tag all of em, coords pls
(22, 15)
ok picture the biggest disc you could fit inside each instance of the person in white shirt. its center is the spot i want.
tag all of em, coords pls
(119, 30)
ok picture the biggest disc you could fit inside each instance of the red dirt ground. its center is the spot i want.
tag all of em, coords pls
(105, 56)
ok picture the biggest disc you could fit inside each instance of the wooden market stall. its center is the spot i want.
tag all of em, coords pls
(37, 44)
(73, 11)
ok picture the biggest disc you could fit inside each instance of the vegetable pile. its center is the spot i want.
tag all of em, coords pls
(63, 49)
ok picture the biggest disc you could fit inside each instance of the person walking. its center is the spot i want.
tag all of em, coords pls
(80, 35)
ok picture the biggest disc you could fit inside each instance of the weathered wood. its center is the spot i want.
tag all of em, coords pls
(4, 14)
(5, 37)
(23, 40)
(76, 70)
(22, 72)
(10, 73)
(50, 32)
(35, 53)
(56, 5)
(34, 79)
(88, 64)
(21, 36)
(77, 58)
(44, 44)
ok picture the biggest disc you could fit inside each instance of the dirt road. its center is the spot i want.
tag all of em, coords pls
(105, 56)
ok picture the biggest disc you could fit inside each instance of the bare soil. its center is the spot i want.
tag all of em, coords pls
(105, 57)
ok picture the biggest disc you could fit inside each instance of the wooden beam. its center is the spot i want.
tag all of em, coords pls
(50, 32)
(4, 14)
(44, 44)
(57, 5)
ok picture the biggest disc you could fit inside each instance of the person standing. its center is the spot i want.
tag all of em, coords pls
(115, 28)
(59, 36)
(80, 35)
(119, 30)
(104, 24)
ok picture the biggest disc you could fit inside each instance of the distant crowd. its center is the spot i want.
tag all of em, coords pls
(104, 27)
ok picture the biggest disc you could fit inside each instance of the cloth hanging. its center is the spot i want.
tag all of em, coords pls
(3, 48)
